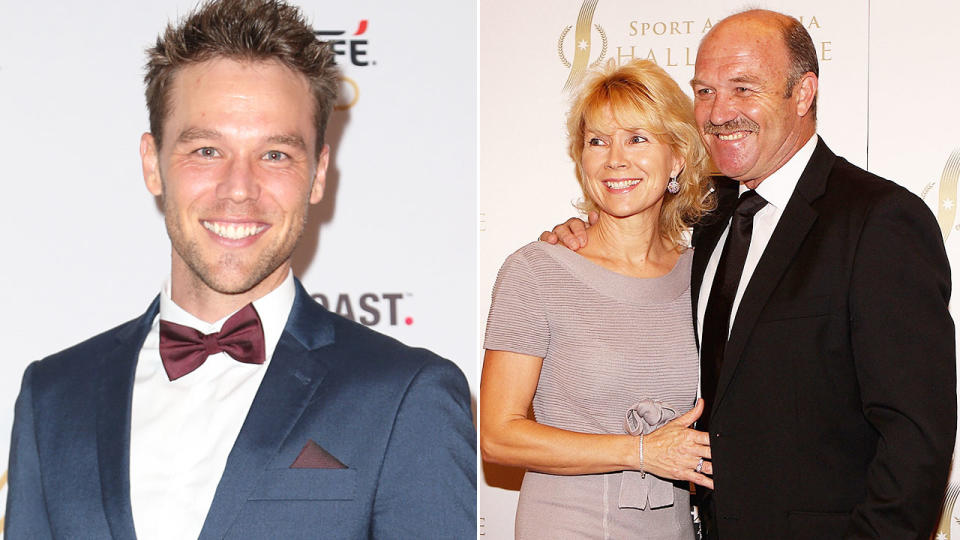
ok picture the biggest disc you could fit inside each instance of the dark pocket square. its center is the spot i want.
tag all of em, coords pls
(313, 456)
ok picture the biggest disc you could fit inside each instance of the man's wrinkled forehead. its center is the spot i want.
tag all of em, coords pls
(742, 48)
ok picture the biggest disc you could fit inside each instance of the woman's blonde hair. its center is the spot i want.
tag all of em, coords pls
(640, 94)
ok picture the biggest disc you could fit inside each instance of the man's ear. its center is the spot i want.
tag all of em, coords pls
(806, 92)
(320, 178)
(150, 162)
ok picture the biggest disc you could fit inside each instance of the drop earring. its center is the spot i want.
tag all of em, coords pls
(673, 186)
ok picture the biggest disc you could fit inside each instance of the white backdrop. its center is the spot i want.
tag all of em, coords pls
(86, 246)
(882, 68)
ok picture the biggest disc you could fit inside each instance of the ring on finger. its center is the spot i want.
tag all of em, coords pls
(699, 465)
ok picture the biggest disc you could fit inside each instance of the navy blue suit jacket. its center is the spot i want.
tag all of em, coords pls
(398, 417)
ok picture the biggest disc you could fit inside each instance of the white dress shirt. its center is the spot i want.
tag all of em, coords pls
(776, 189)
(182, 431)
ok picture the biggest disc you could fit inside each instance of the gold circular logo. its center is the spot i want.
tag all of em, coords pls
(349, 93)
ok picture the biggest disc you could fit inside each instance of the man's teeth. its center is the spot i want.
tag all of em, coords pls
(621, 184)
(233, 231)
(732, 136)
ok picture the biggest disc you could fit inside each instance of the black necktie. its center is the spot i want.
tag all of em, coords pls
(716, 319)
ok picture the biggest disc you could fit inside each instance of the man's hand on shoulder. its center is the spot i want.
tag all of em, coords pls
(571, 233)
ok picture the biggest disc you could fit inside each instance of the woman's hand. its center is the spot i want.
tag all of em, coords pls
(675, 450)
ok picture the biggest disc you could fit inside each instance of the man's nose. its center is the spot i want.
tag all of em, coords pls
(722, 109)
(240, 182)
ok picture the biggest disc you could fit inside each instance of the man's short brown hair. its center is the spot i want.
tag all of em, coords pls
(250, 30)
(803, 56)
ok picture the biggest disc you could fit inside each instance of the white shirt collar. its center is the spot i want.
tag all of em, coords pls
(273, 309)
(777, 188)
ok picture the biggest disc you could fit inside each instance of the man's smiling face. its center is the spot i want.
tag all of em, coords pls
(236, 172)
(748, 123)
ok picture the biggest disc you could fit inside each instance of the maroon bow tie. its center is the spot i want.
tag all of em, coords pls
(184, 349)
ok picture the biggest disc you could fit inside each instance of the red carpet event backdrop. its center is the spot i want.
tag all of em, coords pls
(882, 70)
(392, 245)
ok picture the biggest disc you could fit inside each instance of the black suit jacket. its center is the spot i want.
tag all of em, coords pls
(835, 413)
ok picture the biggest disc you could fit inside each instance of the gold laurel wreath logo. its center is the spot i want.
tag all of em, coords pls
(595, 63)
(581, 54)
(356, 94)
(947, 195)
(947, 210)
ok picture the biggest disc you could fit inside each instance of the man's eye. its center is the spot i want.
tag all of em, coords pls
(207, 152)
(742, 89)
(274, 155)
(704, 92)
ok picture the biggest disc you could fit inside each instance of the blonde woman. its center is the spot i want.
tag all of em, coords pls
(601, 341)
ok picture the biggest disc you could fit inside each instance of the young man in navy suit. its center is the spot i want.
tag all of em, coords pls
(236, 406)
(832, 386)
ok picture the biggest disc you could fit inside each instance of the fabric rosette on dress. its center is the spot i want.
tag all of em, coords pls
(646, 491)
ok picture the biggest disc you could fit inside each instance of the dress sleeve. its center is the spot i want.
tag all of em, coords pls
(517, 321)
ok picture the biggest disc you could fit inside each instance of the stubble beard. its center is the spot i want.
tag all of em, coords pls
(220, 275)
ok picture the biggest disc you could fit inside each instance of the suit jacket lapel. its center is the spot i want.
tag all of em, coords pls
(792, 228)
(292, 378)
(117, 369)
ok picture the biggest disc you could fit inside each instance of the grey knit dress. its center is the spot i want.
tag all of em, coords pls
(608, 341)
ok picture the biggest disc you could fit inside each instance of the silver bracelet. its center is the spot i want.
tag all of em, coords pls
(642, 474)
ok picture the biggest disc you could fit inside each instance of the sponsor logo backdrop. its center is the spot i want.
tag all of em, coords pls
(392, 245)
(881, 67)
